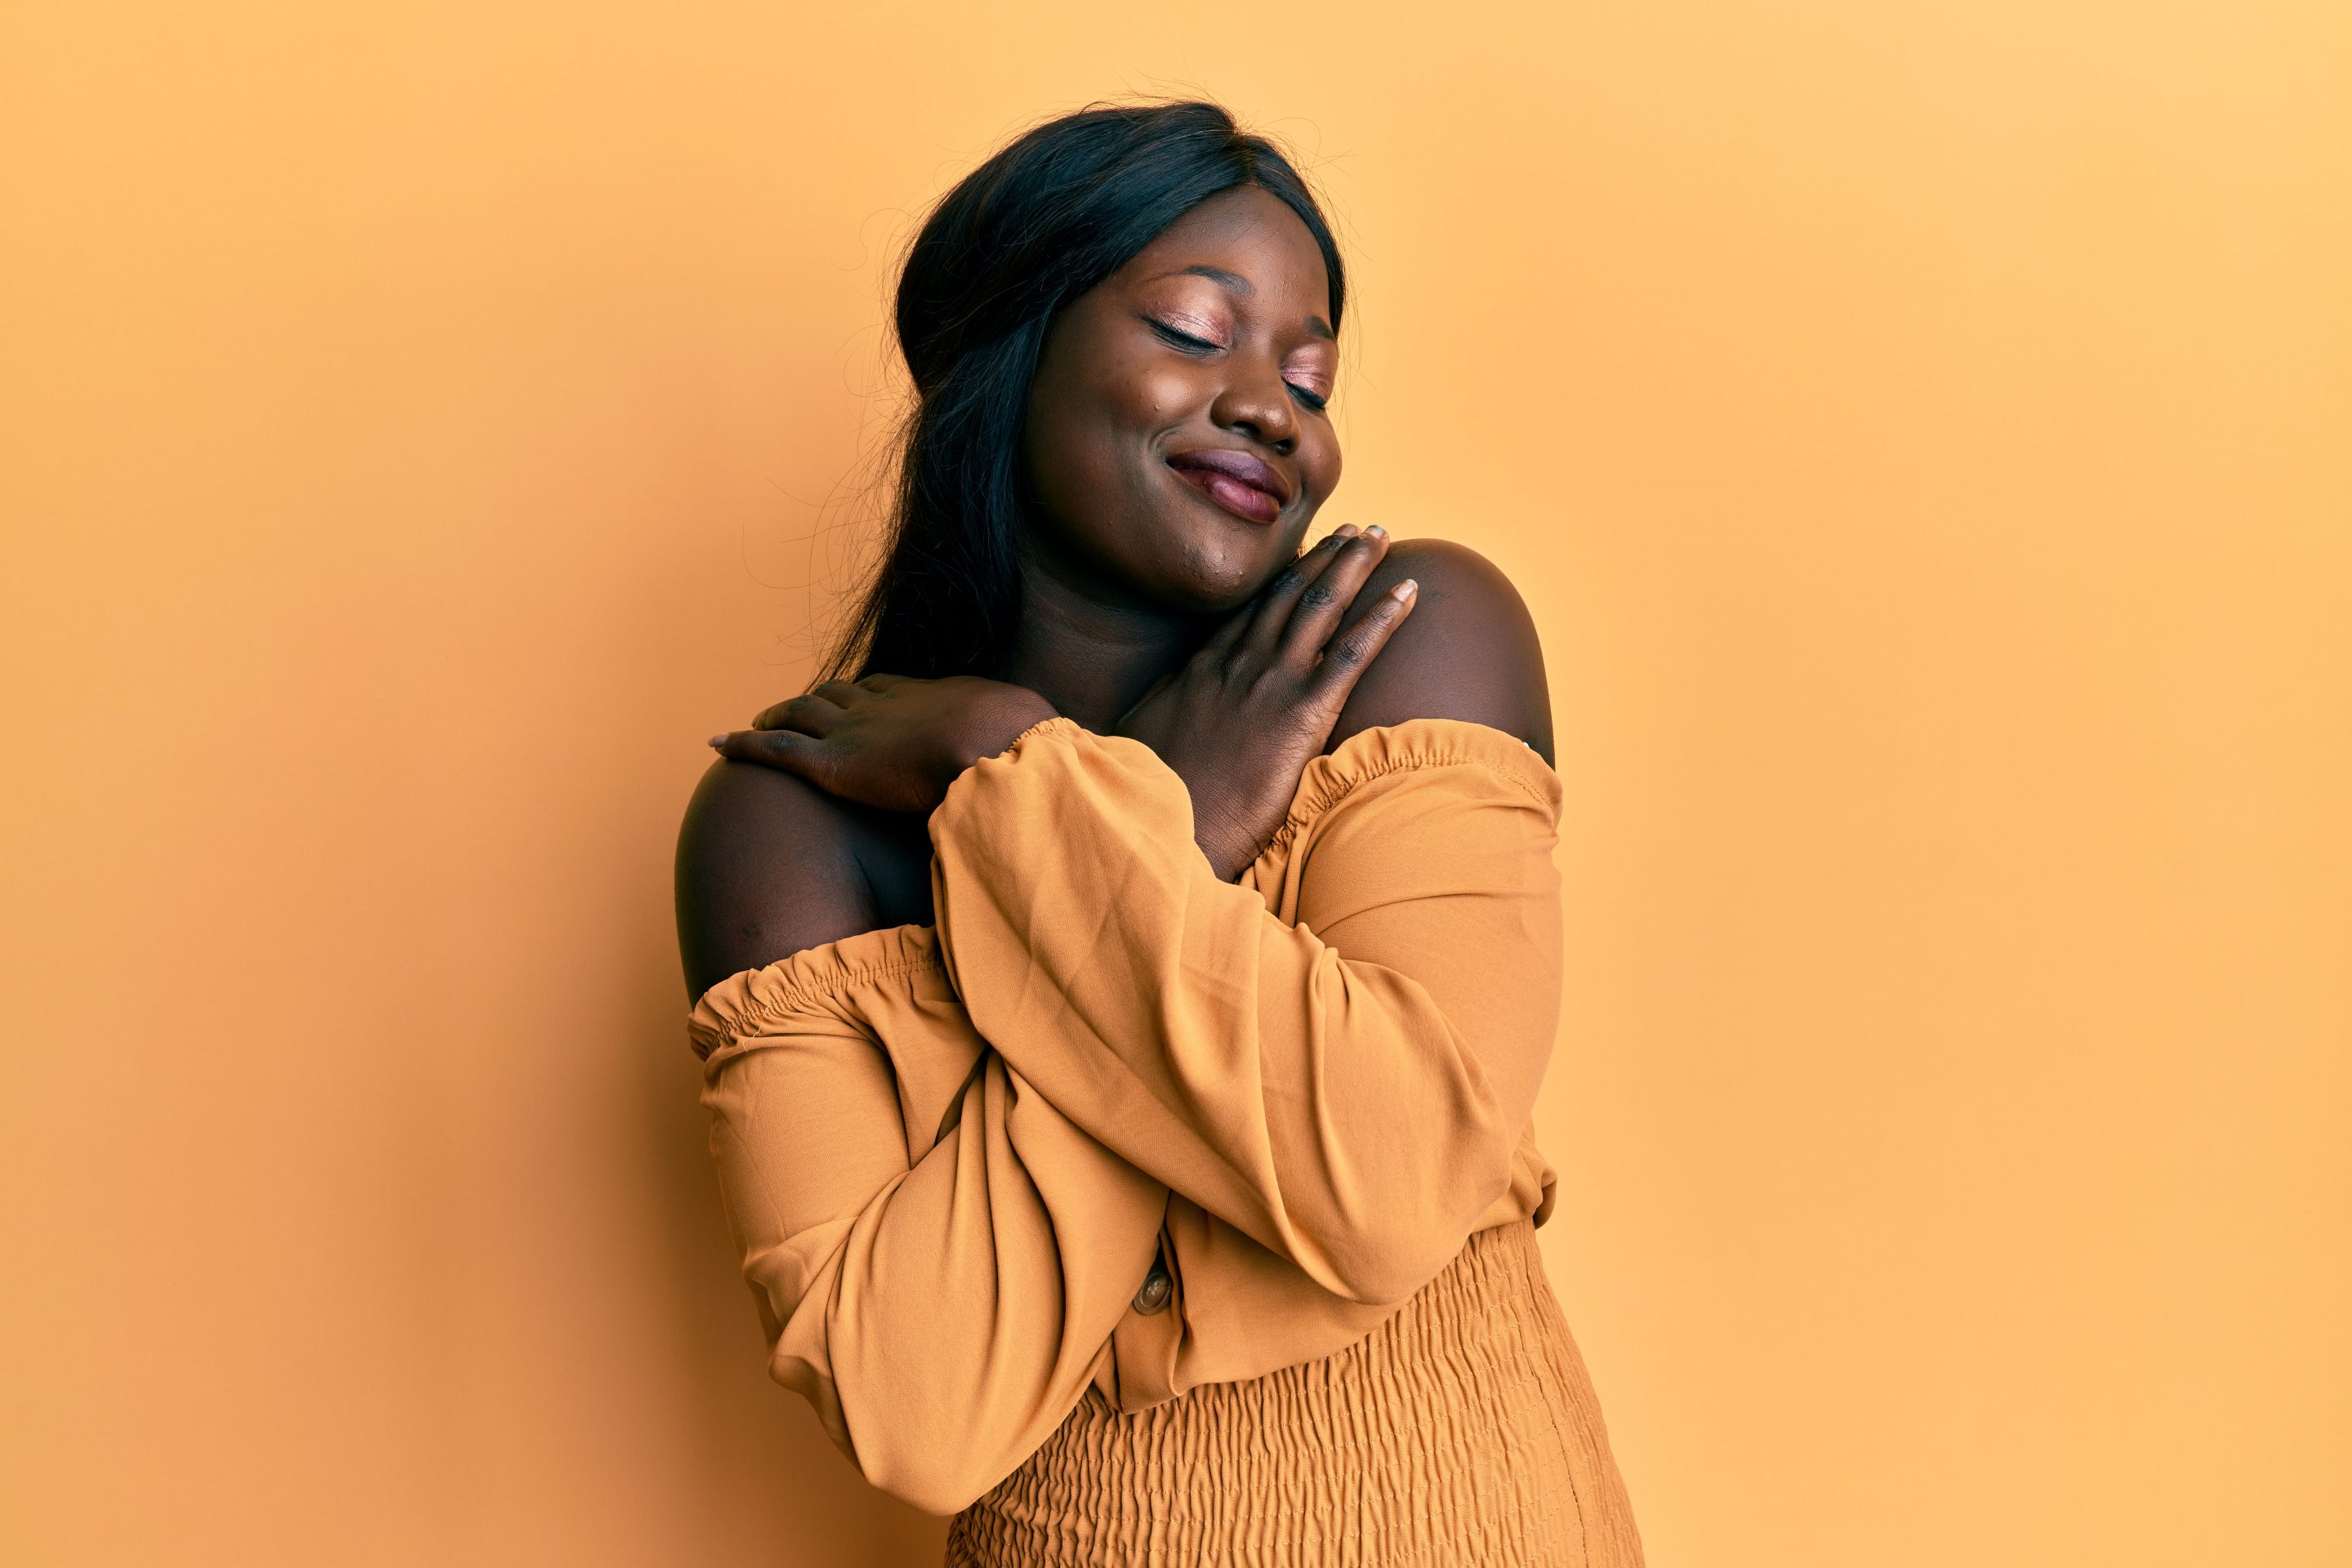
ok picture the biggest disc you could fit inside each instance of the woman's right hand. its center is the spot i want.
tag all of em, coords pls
(1239, 722)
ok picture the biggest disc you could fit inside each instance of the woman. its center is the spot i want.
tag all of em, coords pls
(1124, 1003)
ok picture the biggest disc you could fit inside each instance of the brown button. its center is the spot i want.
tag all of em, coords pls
(1157, 1287)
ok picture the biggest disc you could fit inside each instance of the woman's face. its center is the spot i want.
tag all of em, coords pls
(1176, 437)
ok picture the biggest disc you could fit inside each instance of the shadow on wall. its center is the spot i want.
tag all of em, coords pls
(773, 1488)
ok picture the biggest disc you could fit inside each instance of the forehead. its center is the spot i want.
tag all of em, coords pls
(1250, 233)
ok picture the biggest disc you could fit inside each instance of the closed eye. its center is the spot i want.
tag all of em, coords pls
(1184, 340)
(1191, 344)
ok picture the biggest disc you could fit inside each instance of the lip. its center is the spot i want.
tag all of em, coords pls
(1240, 483)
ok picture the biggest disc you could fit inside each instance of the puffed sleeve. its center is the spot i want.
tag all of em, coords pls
(939, 1254)
(1348, 1088)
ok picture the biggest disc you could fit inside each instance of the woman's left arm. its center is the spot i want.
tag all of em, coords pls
(1349, 1090)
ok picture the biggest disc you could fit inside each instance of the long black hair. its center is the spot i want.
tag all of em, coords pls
(1052, 214)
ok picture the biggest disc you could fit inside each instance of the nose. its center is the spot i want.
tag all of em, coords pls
(1257, 404)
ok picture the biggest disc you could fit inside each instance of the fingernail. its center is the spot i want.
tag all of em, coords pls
(1406, 589)
(718, 740)
(1377, 532)
(1345, 530)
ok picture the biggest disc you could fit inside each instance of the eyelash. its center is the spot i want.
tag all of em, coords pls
(1191, 344)
(1184, 340)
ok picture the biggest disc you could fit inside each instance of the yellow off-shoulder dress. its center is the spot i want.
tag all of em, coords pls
(1138, 1217)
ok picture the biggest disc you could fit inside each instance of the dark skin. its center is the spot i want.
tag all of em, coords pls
(1160, 601)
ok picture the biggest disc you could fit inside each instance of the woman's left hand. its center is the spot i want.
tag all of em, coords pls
(887, 740)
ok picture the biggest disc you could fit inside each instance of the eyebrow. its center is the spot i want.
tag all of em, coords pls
(1233, 281)
(1242, 286)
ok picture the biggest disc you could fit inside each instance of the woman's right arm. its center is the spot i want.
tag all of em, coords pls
(938, 1254)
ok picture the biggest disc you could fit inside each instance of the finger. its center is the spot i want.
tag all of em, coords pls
(1317, 619)
(1285, 588)
(810, 714)
(1154, 689)
(1263, 625)
(879, 681)
(840, 693)
(1353, 652)
(785, 749)
(1228, 634)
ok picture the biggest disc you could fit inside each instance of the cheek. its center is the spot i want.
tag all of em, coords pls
(1071, 448)
(1108, 429)
(1320, 465)
(1144, 399)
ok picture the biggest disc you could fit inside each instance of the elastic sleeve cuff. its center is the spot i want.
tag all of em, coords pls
(814, 981)
(1056, 723)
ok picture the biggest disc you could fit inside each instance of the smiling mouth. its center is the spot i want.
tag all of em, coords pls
(1228, 479)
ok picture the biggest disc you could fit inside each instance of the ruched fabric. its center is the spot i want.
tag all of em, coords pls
(951, 1154)
(1461, 1432)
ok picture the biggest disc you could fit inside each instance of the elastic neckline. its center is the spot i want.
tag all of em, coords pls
(821, 973)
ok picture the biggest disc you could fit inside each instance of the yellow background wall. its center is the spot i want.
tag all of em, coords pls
(1925, 435)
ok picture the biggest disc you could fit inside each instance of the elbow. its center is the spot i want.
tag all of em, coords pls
(1380, 1287)
(944, 1489)
(1381, 1255)
(920, 1447)
(942, 1471)
(936, 1450)
(929, 1466)
(1385, 1266)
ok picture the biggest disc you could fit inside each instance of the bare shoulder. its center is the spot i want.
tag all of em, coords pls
(1468, 651)
(768, 864)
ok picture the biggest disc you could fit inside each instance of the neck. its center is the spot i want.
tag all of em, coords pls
(1086, 654)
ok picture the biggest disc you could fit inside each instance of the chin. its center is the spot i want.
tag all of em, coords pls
(1222, 569)
(1214, 581)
